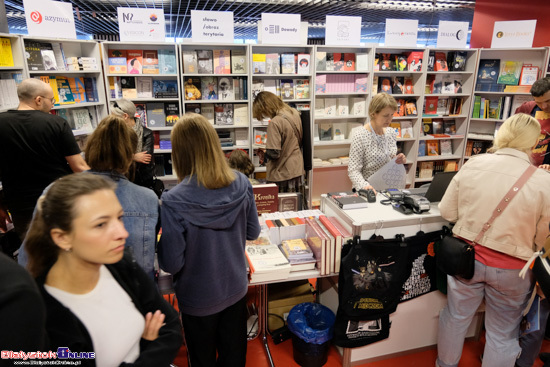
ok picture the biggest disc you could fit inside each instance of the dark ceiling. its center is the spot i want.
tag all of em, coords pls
(99, 17)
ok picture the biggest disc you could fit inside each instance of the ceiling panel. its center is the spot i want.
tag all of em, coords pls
(100, 16)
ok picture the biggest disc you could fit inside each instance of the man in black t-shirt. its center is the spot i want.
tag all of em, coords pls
(36, 148)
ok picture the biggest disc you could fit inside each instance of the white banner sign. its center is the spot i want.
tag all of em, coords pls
(212, 26)
(452, 34)
(515, 33)
(141, 25)
(49, 19)
(345, 31)
(401, 32)
(281, 29)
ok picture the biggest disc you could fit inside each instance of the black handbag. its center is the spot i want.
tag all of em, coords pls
(541, 268)
(157, 186)
(456, 257)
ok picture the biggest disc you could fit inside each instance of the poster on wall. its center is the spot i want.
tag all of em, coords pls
(401, 32)
(49, 19)
(141, 25)
(280, 29)
(342, 31)
(515, 33)
(212, 26)
(452, 34)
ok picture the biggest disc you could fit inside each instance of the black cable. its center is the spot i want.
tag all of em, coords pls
(282, 319)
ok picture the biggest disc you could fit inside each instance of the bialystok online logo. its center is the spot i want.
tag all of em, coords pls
(62, 353)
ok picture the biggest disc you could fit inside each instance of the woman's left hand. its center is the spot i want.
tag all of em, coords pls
(545, 167)
(401, 159)
(153, 323)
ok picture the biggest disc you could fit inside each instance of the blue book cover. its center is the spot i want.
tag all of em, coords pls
(487, 76)
(167, 61)
(165, 88)
(531, 321)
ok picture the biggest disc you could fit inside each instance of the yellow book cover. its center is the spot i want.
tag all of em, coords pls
(6, 56)
(53, 84)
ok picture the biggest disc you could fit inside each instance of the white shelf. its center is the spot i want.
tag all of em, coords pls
(153, 99)
(220, 75)
(168, 178)
(78, 105)
(332, 142)
(11, 68)
(341, 94)
(230, 126)
(236, 147)
(485, 120)
(225, 101)
(503, 93)
(346, 117)
(281, 76)
(318, 72)
(157, 150)
(443, 117)
(448, 136)
(140, 75)
(63, 72)
(438, 157)
(160, 128)
(396, 72)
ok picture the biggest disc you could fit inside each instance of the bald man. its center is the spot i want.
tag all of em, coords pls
(36, 148)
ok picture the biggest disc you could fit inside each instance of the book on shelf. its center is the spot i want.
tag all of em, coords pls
(426, 169)
(222, 61)
(196, 108)
(204, 62)
(240, 114)
(81, 119)
(223, 114)
(6, 55)
(144, 86)
(329, 61)
(479, 147)
(396, 126)
(361, 83)
(260, 136)
(398, 85)
(150, 62)
(128, 85)
(318, 241)
(456, 60)
(510, 72)
(338, 61)
(48, 57)
(400, 108)
(266, 261)
(518, 100)
(430, 107)
(258, 63)
(437, 126)
(64, 90)
(440, 62)
(209, 87)
(141, 114)
(361, 61)
(287, 89)
(325, 132)
(339, 130)
(446, 147)
(165, 88)
(190, 65)
(33, 55)
(529, 74)
(349, 61)
(421, 148)
(265, 196)
(487, 75)
(320, 84)
(207, 110)
(432, 147)
(167, 61)
(239, 64)
(172, 113)
(272, 64)
(257, 87)
(155, 114)
(78, 89)
(406, 129)
(321, 61)
(342, 106)
(296, 249)
(288, 64)
(450, 166)
(449, 127)
(225, 89)
(134, 61)
(90, 85)
(303, 64)
(301, 88)
(414, 61)
(115, 87)
(358, 106)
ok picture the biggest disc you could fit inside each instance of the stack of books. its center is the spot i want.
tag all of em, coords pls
(266, 262)
(299, 254)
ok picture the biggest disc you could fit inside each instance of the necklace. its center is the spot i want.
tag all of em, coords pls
(380, 141)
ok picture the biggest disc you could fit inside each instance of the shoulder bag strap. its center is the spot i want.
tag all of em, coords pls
(296, 133)
(506, 200)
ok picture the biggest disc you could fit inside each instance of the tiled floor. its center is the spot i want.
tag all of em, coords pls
(282, 356)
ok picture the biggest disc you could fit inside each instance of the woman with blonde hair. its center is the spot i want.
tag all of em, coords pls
(374, 144)
(97, 299)
(145, 165)
(504, 248)
(206, 220)
(285, 165)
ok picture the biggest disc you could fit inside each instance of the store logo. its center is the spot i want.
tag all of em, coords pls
(36, 17)
(500, 34)
(153, 18)
(459, 35)
(127, 17)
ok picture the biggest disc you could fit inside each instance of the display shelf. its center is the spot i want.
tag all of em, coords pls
(438, 157)
(17, 72)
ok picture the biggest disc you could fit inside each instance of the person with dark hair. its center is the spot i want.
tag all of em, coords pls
(97, 298)
(144, 164)
(36, 148)
(539, 108)
(285, 165)
(240, 161)
(206, 220)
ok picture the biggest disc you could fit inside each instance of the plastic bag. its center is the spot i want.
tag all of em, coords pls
(311, 322)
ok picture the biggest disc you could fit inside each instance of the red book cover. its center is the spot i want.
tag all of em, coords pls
(266, 197)
(134, 59)
(441, 62)
(349, 62)
(337, 248)
(414, 61)
(431, 106)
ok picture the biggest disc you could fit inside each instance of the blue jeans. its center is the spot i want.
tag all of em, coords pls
(530, 343)
(506, 296)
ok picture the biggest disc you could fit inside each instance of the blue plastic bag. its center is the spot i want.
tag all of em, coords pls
(311, 322)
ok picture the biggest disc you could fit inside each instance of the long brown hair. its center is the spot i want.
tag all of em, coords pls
(239, 160)
(269, 105)
(56, 209)
(196, 151)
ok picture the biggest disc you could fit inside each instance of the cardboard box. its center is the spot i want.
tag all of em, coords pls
(282, 297)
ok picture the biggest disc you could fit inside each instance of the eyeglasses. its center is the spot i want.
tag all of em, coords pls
(53, 100)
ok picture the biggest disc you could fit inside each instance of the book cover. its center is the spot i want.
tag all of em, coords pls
(257, 87)
(33, 55)
(207, 110)
(117, 65)
(408, 87)
(117, 53)
(398, 85)
(287, 89)
(446, 147)
(343, 106)
(325, 132)
(330, 106)
(421, 148)
(266, 197)
(260, 136)
(362, 61)
(338, 61)
(458, 60)
(441, 62)
(134, 62)
(128, 85)
(339, 129)
(258, 63)
(318, 242)
(529, 75)
(407, 129)
(167, 88)
(302, 88)
(295, 249)
(414, 61)
(426, 169)
(350, 202)
(209, 87)
(172, 113)
(205, 61)
(401, 62)
(222, 61)
(144, 87)
(78, 89)
(387, 62)
(384, 84)
(509, 72)
(303, 64)
(487, 75)
(150, 62)
(48, 56)
(64, 90)
(81, 119)
(449, 127)
(320, 83)
(155, 115)
(141, 114)
(190, 65)
(361, 83)
(396, 126)
(239, 64)
(90, 86)
(478, 147)
(223, 114)
(272, 64)
(225, 89)
(167, 61)
(358, 107)
(6, 56)
(196, 108)
(349, 61)
(431, 105)
(321, 60)
(287, 64)
(329, 61)
(437, 125)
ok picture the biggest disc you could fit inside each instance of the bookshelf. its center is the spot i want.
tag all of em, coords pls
(445, 110)
(80, 93)
(502, 100)
(341, 89)
(287, 72)
(152, 84)
(220, 74)
(12, 70)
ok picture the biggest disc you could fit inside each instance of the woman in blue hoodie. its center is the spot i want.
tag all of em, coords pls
(206, 220)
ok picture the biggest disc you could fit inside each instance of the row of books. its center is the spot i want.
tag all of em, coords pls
(163, 164)
(443, 84)
(337, 61)
(341, 160)
(403, 129)
(393, 85)
(6, 55)
(494, 75)
(497, 108)
(474, 147)
(8, 90)
(51, 57)
(161, 61)
(343, 106)
(435, 147)
(341, 83)
(405, 107)
(142, 87)
(215, 88)
(221, 113)
(286, 63)
(158, 114)
(409, 61)
(299, 254)
(80, 119)
(333, 131)
(447, 61)
(438, 106)
(72, 90)
(438, 126)
(427, 169)
(214, 61)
